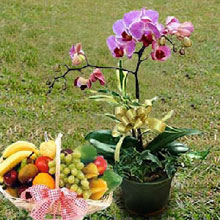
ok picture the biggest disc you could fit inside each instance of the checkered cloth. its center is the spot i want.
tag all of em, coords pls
(45, 199)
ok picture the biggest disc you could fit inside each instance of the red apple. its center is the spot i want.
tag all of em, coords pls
(21, 189)
(42, 164)
(10, 178)
(101, 164)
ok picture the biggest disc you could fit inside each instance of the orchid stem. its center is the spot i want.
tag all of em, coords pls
(137, 91)
(88, 65)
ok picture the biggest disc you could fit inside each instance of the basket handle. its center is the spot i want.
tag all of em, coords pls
(58, 149)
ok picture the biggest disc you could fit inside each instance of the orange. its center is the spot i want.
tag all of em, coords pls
(44, 179)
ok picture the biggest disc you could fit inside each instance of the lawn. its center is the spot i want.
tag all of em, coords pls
(36, 35)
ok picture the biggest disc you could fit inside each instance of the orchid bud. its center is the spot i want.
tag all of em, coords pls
(162, 41)
(174, 49)
(78, 59)
(182, 51)
(187, 42)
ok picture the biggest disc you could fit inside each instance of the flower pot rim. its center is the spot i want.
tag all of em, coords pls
(149, 183)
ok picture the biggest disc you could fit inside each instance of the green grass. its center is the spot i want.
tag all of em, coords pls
(35, 35)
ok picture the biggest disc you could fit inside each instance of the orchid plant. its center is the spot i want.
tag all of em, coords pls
(124, 145)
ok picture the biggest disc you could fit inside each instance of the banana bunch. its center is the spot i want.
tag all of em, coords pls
(14, 154)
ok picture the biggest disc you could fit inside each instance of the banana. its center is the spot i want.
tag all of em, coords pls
(1, 179)
(19, 146)
(13, 160)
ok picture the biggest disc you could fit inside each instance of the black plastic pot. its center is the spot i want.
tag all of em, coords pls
(146, 198)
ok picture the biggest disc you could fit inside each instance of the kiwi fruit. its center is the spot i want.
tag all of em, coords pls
(27, 172)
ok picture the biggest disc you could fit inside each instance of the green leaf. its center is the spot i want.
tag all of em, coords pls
(88, 153)
(146, 155)
(176, 148)
(105, 98)
(102, 148)
(113, 180)
(111, 116)
(169, 135)
(122, 78)
(198, 154)
(170, 168)
(106, 143)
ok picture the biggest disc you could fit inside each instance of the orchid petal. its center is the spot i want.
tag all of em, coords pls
(171, 19)
(97, 75)
(82, 83)
(131, 17)
(111, 42)
(153, 28)
(149, 15)
(137, 30)
(78, 48)
(118, 27)
(160, 53)
(187, 26)
(72, 51)
(130, 48)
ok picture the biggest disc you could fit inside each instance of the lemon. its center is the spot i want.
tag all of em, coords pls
(48, 149)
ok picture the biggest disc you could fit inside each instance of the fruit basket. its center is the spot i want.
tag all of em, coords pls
(92, 205)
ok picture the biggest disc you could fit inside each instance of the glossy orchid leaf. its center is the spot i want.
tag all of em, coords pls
(169, 135)
(112, 117)
(176, 148)
(198, 154)
(105, 98)
(106, 143)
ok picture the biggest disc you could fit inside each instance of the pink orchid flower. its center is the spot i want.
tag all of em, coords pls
(77, 55)
(118, 47)
(173, 26)
(160, 53)
(185, 29)
(82, 83)
(144, 28)
(97, 75)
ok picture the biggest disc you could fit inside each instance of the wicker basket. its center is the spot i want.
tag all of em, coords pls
(93, 205)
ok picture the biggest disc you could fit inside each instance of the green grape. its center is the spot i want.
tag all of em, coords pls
(74, 187)
(86, 194)
(62, 175)
(80, 165)
(76, 181)
(80, 175)
(71, 179)
(79, 191)
(62, 166)
(76, 154)
(76, 161)
(85, 183)
(68, 158)
(62, 156)
(52, 164)
(52, 170)
(66, 170)
(62, 184)
(65, 180)
(74, 171)
(71, 166)
(85, 187)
